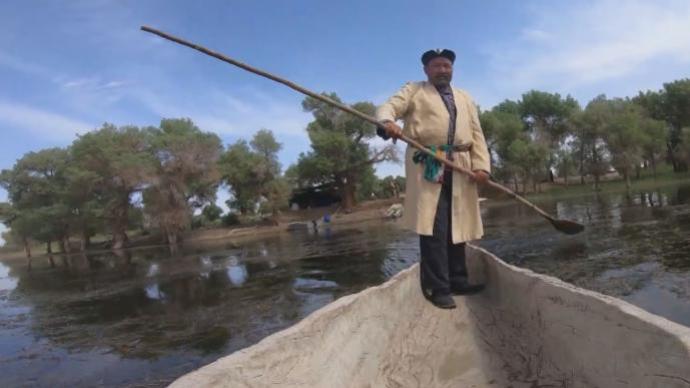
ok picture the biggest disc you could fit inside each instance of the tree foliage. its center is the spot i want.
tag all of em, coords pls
(186, 174)
(120, 161)
(252, 172)
(340, 153)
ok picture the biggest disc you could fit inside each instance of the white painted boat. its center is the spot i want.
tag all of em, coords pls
(524, 330)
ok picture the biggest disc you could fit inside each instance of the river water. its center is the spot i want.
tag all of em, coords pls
(145, 317)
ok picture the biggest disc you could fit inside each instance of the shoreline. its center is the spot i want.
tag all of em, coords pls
(365, 212)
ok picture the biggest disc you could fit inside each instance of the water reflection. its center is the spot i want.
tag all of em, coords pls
(153, 292)
(237, 273)
(168, 314)
(147, 317)
(651, 226)
(7, 283)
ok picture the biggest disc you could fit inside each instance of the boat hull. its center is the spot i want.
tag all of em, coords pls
(523, 330)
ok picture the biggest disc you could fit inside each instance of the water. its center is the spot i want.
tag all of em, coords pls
(636, 248)
(146, 317)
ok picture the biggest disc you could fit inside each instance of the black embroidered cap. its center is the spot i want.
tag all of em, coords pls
(431, 54)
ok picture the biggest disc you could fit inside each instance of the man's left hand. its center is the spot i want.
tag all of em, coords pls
(480, 176)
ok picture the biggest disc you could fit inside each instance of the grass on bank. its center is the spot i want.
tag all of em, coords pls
(664, 177)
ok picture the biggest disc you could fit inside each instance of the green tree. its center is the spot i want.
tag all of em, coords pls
(212, 212)
(491, 126)
(391, 186)
(253, 175)
(565, 163)
(588, 129)
(525, 155)
(654, 144)
(624, 136)
(36, 209)
(684, 151)
(546, 116)
(677, 106)
(671, 104)
(507, 127)
(120, 164)
(237, 170)
(273, 189)
(186, 174)
(340, 154)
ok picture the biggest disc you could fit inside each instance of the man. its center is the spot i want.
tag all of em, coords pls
(440, 205)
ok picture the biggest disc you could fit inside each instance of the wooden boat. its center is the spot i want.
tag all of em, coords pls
(524, 330)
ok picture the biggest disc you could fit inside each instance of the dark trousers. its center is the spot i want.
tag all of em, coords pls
(442, 263)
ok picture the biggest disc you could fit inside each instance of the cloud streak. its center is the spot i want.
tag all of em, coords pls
(47, 125)
(575, 46)
(226, 114)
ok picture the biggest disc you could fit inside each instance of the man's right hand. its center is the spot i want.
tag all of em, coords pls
(392, 129)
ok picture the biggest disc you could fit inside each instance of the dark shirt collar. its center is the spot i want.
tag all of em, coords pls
(446, 89)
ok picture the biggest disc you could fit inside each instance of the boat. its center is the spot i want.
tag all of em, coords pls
(524, 330)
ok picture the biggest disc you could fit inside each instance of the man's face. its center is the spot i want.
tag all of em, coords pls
(439, 71)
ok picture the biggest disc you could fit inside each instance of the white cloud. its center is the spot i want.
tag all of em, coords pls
(88, 84)
(576, 45)
(224, 113)
(536, 35)
(40, 122)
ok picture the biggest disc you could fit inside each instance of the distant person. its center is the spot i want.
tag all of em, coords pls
(440, 205)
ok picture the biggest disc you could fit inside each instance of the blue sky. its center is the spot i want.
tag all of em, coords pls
(68, 66)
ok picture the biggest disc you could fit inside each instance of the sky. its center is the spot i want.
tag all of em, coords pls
(66, 67)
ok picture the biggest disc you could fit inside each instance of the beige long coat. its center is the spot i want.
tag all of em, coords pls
(421, 108)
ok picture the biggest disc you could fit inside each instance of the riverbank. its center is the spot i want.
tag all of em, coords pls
(363, 212)
(615, 185)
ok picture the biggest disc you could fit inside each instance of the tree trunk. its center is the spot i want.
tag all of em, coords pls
(671, 156)
(171, 236)
(595, 162)
(348, 193)
(626, 175)
(582, 162)
(66, 245)
(119, 226)
(27, 250)
(654, 167)
(85, 240)
(515, 183)
(49, 252)
(119, 239)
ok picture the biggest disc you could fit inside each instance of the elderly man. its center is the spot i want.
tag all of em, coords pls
(440, 205)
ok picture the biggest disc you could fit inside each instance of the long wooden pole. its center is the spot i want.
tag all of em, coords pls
(565, 226)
